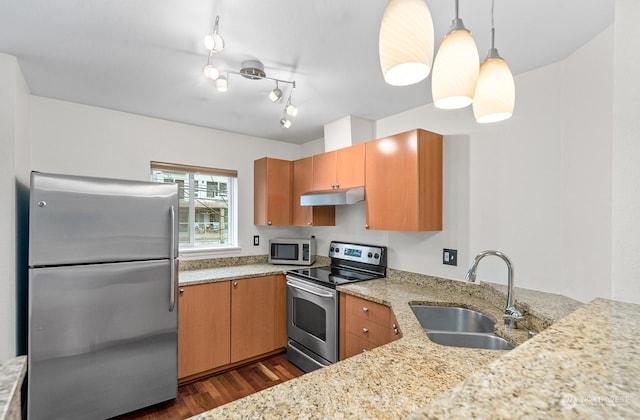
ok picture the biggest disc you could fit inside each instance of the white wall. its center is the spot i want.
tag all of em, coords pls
(536, 186)
(14, 142)
(78, 139)
(626, 154)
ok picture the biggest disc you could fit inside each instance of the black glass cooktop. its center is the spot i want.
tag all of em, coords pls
(331, 276)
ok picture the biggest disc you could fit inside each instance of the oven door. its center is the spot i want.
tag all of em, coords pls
(312, 317)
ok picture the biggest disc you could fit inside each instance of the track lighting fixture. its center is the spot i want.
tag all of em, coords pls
(456, 67)
(249, 69)
(495, 94)
(214, 41)
(276, 94)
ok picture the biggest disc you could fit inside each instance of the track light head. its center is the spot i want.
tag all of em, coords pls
(276, 94)
(211, 72)
(285, 122)
(222, 84)
(214, 42)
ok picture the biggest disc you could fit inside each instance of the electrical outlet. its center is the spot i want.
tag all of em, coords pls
(256, 240)
(450, 256)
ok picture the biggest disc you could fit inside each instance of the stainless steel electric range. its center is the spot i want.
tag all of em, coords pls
(313, 302)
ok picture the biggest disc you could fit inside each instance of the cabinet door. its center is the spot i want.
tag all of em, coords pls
(404, 182)
(364, 325)
(257, 316)
(350, 166)
(324, 171)
(302, 183)
(203, 327)
(272, 192)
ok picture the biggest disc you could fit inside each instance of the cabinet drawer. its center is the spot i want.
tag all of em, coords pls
(372, 311)
(356, 345)
(371, 331)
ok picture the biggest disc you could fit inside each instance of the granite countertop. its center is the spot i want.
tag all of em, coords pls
(587, 365)
(400, 378)
(235, 272)
(12, 373)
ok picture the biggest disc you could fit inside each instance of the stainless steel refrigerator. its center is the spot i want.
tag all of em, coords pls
(103, 324)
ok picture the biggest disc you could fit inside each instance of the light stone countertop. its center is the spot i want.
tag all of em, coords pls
(397, 379)
(585, 366)
(12, 373)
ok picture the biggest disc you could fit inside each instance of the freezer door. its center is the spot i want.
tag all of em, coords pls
(75, 220)
(102, 340)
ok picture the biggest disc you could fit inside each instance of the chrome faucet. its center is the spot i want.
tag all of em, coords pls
(510, 312)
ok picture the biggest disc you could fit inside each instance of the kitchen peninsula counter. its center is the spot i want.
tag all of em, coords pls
(12, 374)
(416, 377)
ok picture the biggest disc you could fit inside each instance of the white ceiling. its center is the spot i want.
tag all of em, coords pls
(146, 56)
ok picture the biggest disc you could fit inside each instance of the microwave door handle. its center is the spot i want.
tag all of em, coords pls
(323, 295)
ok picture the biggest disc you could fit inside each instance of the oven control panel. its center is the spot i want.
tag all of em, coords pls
(357, 252)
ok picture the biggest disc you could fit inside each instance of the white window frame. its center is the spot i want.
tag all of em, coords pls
(192, 250)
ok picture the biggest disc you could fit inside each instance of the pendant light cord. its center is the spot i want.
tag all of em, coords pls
(493, 28)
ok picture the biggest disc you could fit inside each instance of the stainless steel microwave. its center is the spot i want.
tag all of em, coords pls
(297, 251)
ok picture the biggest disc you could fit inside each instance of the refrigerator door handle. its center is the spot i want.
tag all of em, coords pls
(172, 259)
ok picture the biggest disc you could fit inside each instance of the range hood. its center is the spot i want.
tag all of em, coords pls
(332, 197)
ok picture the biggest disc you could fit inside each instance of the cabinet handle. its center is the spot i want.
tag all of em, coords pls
(365, 330)
(181, 290)
(337, 186)
(308, 223)
(235, 284)
(395, 331)
(394, 326)
(366, 226)
(269, 222)
(365, 309)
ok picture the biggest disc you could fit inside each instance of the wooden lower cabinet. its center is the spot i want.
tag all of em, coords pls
(203, 327)
(225, 323)
(258, 316)
(364, 325)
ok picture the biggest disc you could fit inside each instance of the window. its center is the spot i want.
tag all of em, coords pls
(207, 204)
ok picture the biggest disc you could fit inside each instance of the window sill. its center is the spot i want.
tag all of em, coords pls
(205, 253)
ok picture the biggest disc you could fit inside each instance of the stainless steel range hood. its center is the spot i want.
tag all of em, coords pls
(332, 197)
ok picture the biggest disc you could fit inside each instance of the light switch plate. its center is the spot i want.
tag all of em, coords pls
(256, 240)
(450, 256)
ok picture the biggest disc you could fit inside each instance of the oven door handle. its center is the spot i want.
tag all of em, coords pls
(313, 292)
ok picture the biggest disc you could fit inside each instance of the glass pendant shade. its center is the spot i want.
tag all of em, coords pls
(455, 71)
(495, 95)
(406, 42)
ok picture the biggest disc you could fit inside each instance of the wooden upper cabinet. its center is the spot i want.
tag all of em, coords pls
(302, 183)
(203, 327)
(404, 182)
(272, 185)
(342, 168)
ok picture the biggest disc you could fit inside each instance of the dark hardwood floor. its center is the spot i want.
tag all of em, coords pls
(205, 394)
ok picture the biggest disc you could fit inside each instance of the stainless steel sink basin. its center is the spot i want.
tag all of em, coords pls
(451, 318)
(473, 340)
(459, 327)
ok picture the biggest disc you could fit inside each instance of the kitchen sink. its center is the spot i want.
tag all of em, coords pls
(452, 318)
(459, 327)
(473, 340)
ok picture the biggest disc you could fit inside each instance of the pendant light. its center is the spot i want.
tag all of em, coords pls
(455, 70)
(406, 42)
(495, 93)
